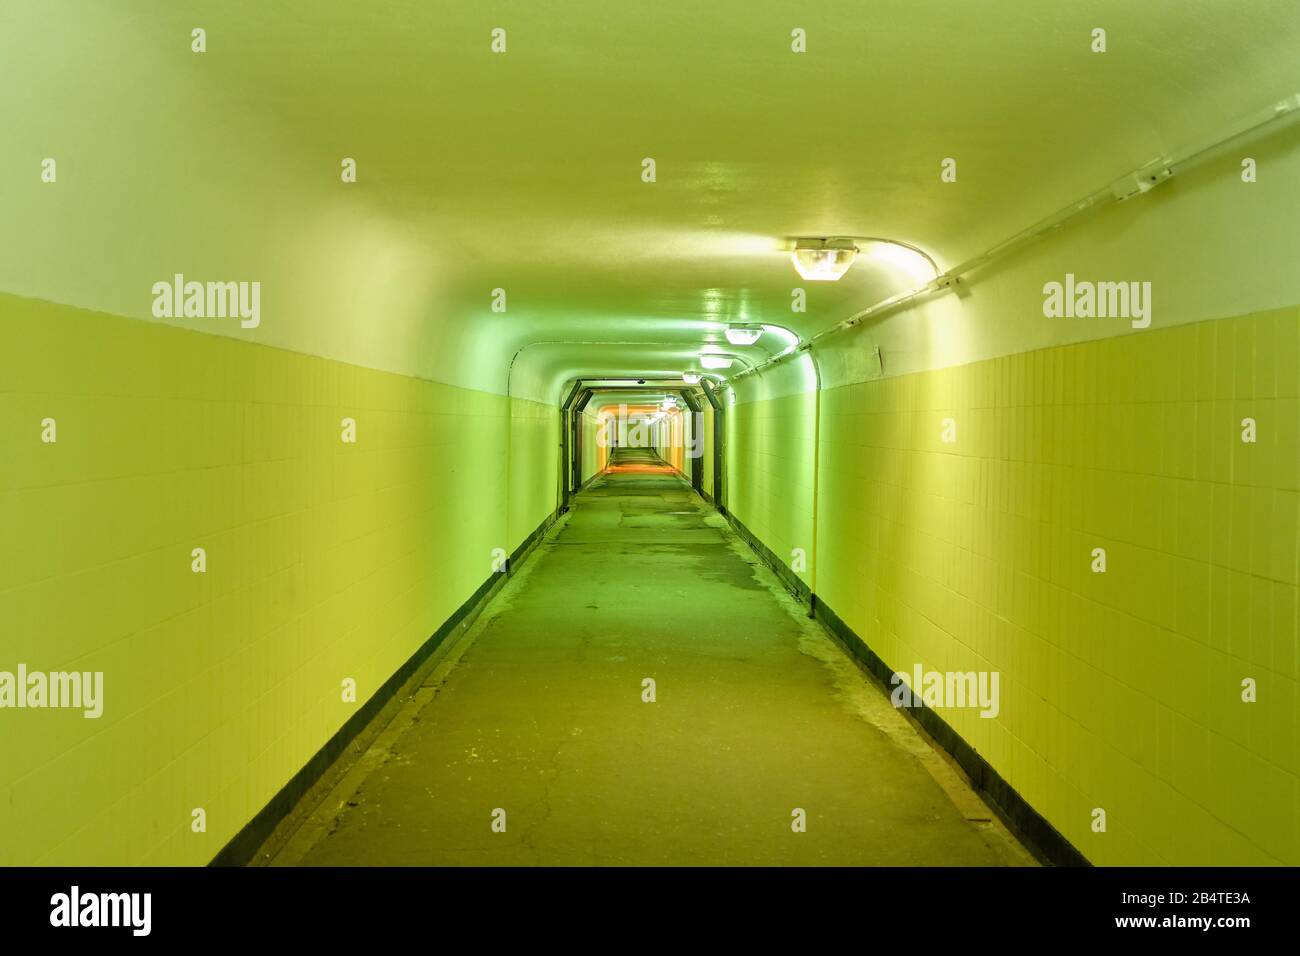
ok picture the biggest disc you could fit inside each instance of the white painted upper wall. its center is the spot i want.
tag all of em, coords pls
(524, 171)
(1210, 245)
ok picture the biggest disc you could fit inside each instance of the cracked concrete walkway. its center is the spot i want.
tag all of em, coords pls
(538, 711)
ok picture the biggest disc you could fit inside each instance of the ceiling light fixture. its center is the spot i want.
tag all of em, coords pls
(743, 334)
(691, 378)
(823, 260)
(716, 361)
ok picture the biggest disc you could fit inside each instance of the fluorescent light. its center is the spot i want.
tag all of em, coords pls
(691, 378)
(823, 260)
(716, 361)
(743, 334)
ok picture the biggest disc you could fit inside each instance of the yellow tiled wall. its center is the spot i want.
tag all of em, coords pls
(672, 441)
(325, 561)
(769, 462)
(593, 452)
(534, 492)
(1119, 690)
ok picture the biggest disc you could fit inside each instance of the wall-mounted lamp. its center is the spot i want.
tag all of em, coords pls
(743, 334)
(823, 260)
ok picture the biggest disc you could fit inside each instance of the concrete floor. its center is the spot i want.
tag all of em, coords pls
(538, 711)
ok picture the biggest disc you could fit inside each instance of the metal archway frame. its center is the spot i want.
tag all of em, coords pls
(719, 489)
(570, 442)
(697, 426)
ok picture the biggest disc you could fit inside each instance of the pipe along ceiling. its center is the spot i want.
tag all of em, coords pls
(316, 314)
(511, 224)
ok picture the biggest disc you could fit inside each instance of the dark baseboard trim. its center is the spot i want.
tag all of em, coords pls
(793, 583)
(1047, 842)
(243, 846)
(1043, 839)
(524, 548)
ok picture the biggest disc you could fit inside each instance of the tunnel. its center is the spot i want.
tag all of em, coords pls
(649, 435)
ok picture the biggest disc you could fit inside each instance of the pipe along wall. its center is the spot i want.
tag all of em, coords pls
(952, 511)
(249, 540)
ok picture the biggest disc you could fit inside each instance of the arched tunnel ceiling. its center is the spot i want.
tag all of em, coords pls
(646, 401)
(541, 365)
(521, 171)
